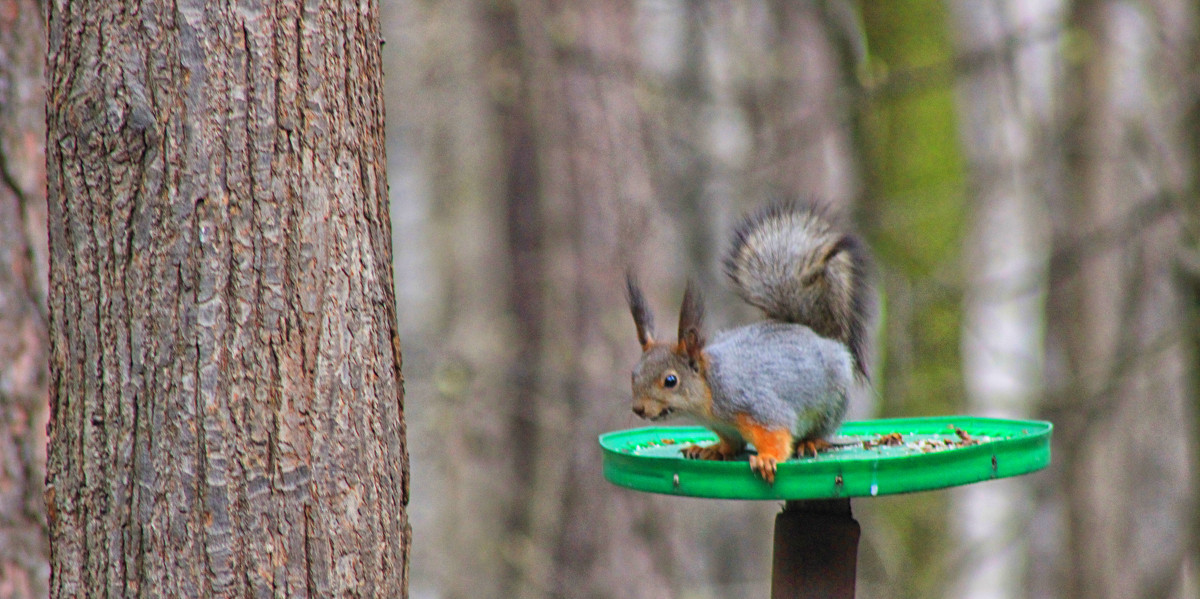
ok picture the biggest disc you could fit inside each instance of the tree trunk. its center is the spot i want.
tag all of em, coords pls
(1007, 51)
(23, 343)
(226, 397)
(1117, 353)
(802, 111)
(577, 152)
(913, 217)
(468, 361)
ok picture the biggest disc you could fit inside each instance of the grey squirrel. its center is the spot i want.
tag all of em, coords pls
(782, 383)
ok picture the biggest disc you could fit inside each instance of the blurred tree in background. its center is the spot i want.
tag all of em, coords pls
(24, 570)
(1025, 172)
(1117, 356)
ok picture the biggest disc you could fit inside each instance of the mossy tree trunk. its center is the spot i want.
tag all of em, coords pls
(226, 398)
(912, 214)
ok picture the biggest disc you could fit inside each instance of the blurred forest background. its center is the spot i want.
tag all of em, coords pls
(1026, 172)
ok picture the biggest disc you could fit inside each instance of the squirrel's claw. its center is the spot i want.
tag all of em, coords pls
(811, 447)
(717, 451)
(764, 466)
(723, 449)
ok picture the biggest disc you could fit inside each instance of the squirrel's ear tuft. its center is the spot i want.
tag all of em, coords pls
(641, 312)
(691, 324)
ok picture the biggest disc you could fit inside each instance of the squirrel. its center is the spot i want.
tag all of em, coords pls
(782, 383)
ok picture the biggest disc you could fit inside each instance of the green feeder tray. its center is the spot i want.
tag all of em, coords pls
(876, 457)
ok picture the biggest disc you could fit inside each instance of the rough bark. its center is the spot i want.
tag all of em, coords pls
(23, 342)
(226, 397)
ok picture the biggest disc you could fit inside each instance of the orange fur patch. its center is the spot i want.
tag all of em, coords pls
(773, 445)
(770, 442)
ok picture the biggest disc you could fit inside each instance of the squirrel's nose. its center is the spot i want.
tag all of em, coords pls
(640, 411)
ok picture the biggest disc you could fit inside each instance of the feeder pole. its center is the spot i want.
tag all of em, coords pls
(816, 550)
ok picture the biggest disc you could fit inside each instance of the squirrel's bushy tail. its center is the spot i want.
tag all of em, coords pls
(790, 260)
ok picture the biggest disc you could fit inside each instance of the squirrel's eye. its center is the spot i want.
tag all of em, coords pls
(670, 381)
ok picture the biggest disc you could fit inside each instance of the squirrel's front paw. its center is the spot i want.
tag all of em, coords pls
(764, 466)
(717, 451)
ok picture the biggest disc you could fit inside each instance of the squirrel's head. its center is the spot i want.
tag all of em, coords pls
(669, 377)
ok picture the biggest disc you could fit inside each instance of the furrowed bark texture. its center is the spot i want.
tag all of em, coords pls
(23, 345)
(226, 396)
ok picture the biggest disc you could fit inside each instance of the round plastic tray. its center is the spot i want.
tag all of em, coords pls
(868, 460)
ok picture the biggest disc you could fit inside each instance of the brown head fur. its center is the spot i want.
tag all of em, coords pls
(670, 377)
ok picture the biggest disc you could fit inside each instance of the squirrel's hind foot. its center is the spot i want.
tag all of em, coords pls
(811, 447)
(720, 451)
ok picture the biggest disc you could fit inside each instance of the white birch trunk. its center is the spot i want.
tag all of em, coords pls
(1005, 99)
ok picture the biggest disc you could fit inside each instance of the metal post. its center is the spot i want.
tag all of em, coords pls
(816, 551)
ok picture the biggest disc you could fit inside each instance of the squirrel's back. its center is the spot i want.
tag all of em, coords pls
(777, 372)
(790, 260)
